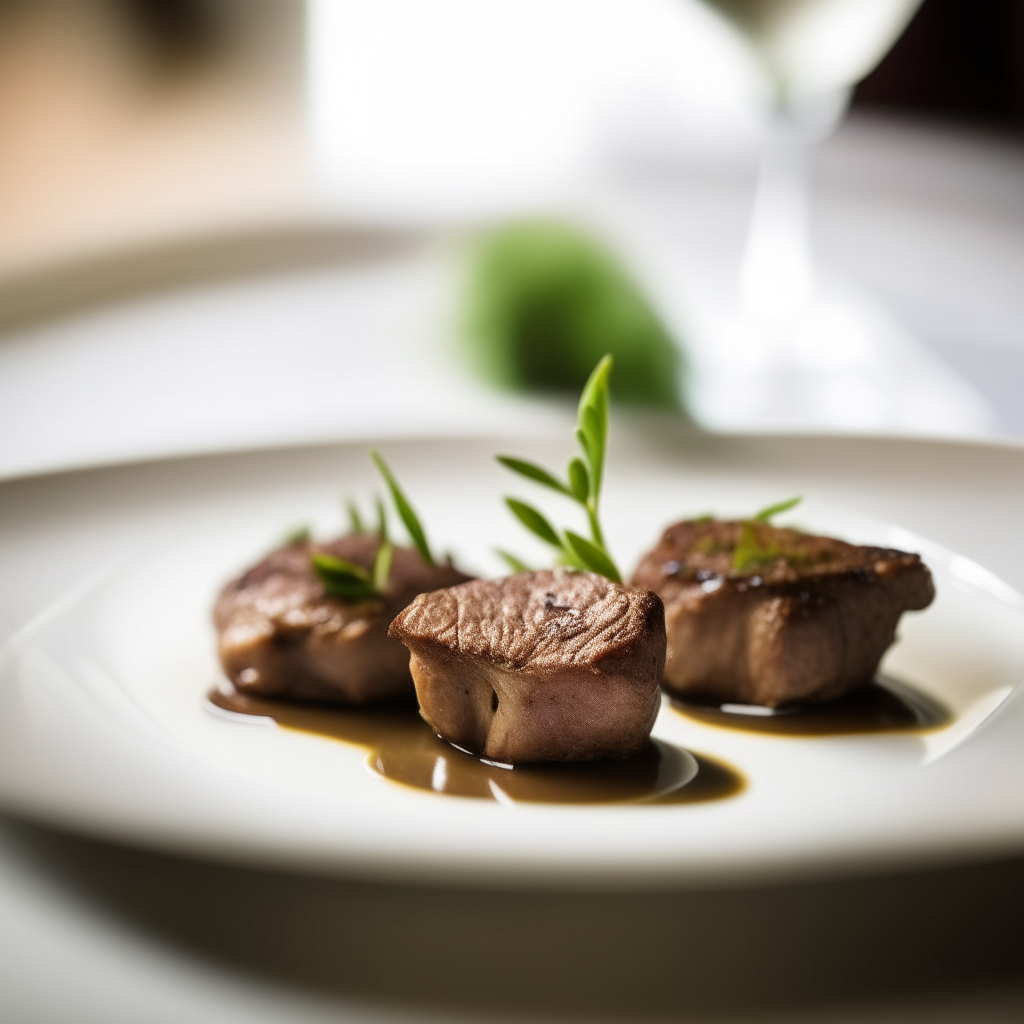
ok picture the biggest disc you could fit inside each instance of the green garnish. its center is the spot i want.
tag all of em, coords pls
(767, 514)
(344, 579)
(352, 582)
(750, 551)
(405, 510)
(534, 521)
(583, 483)
(297, 535)
(355, 520)
(382, 560)
(514, 563)
(708, 546)
(594, 557)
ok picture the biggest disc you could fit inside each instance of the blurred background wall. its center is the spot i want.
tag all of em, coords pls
(279, 130)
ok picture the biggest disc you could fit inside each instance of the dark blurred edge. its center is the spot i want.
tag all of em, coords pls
(175, 32)
(959, 60)
(79, 284)
(674, 954)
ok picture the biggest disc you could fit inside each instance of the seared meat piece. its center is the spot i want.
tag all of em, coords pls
(542, 666)
(282, 635)
(761, 615)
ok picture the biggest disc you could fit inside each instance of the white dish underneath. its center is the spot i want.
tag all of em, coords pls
(111, 575)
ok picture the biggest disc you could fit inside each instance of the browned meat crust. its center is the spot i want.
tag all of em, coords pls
(541, 666)
(804, 619)
(281, 635)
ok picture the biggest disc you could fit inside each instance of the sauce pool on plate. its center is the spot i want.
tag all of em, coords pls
(404, 750)
(885, 705)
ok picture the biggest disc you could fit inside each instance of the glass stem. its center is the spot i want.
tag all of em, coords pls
(777, 269)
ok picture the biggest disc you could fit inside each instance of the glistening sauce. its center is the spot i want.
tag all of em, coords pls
(884, 706)
(403, 749)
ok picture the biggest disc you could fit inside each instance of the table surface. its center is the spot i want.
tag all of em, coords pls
(92, 932)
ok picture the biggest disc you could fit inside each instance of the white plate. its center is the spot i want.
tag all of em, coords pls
(110, 574)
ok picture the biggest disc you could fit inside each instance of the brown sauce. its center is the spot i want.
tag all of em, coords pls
(884, 706)
(403, 749)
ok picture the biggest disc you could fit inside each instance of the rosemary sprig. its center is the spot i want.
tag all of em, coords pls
(352, 582)
(405, 510)
(582, 484)
(750, 551)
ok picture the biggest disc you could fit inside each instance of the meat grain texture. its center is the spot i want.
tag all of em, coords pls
(541, 666)
(282, 635)
(805, 619)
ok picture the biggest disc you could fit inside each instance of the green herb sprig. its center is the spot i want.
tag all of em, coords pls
(750, 551)
(296, 535)
(355, 519)
(766, 515)
(405, 510)
(514, 562)
(352, 582)
(582, 485)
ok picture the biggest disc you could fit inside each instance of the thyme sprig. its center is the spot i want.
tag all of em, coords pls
(750, 551)
(582, 485)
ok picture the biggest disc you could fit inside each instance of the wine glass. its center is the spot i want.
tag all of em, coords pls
(813, 52)
(793, 355)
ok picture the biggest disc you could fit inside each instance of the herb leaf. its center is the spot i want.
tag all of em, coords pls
(533, 472)
(514, 563)
(595, 392)
(579, 481)
(382, 564)
(591, 557)
(767, 514)
(405, 510)
(750, 551)
(296, 535)
(355, 520)
(593, 448)
(534, 522)
(593, 420)
(341, 578)
(584, 442)
(584, 485)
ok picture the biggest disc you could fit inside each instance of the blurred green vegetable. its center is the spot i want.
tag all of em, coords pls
(545, 303)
